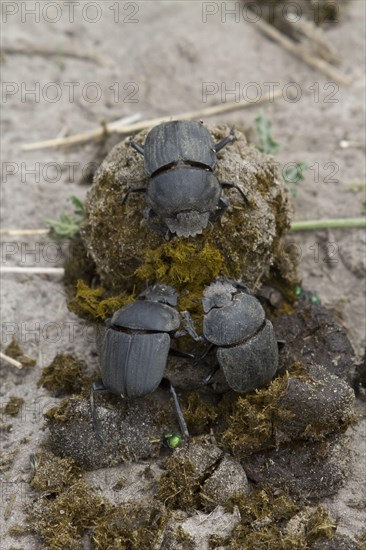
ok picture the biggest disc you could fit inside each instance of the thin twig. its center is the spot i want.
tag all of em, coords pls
(33, 270)
(299, 52)
(46, 52)
(317, 37)
(102, 131)
(123, 128)
(10, 361)
(21, 232)
(340, 223)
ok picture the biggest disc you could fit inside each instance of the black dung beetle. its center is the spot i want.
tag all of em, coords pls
(234, 323)
(134, 349)
(180, 157)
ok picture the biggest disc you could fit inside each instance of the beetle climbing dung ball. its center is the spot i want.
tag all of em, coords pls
(182, 190)
(248, 236)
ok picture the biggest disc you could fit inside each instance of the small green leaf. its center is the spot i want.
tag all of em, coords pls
(79, 206)
(293, 175)
(263, 126)
(68, 226)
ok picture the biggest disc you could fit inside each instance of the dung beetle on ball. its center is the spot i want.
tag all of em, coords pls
(135, 346)
(182, 190)
(234, 324)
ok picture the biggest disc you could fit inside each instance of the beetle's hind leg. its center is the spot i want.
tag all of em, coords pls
(137, 147)
(228, 139)
(178, 410)
(96, 386)
(183, 354)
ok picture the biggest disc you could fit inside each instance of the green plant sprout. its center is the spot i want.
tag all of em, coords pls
(293, 175)
(68, 226)
(263, 126)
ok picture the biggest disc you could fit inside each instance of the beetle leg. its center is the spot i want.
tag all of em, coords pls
(96, 386)
(178, 410)
(189, 327)
(226, 185)
(281, 344)
(132, 190)
(228, 139)
(204, 354)
(221, 207)
(149, 214)
(271, 295)
(183, 354)
(209, 377)
(137, 147)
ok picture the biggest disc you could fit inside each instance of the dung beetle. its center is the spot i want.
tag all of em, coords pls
(135, 346)
(234, 324)
(182, 190)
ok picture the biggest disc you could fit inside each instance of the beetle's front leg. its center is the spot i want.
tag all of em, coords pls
(222, 206)
(149, 215)
(226, 185)
(189, 328)
(137, 147)
(228, 139)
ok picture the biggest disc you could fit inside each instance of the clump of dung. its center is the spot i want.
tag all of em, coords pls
(65, 375)
(200, 477)
(13, 406)
(265, 524)
(244, 243)
(79, 514)
(14, 351)
(52, 474)
(131, 429)
(93, 304)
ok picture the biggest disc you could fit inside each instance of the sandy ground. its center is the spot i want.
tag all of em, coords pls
(156, 58)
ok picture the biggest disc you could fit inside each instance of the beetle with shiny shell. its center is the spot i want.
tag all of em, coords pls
(234, 324)
(182, 190)
(135, 346)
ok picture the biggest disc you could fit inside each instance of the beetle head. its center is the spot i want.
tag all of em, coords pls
(188, 224)
(164, 294)
(220, 293)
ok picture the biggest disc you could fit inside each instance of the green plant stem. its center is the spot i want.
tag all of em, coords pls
(341, 223)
